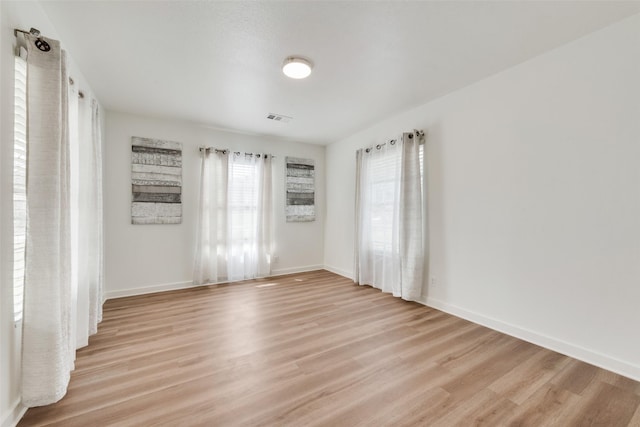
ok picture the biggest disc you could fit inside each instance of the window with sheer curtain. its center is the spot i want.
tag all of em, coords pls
(234, 217)
(389, 243)
(243, 205)
(19, 184)
(248, 215)
(384, 181)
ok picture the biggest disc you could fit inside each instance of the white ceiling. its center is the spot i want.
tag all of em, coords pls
(219, 63)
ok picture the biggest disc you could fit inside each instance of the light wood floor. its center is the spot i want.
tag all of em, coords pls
(314, 349)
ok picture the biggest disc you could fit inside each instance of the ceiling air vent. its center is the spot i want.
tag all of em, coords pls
(279, 118)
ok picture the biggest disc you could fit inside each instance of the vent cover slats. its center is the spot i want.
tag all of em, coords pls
(279, 118)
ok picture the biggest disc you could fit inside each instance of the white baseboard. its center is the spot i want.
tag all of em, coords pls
(339, 271)
(293, 270)
(184, 285)
(15, 414)
(609, 363)
(148, 289)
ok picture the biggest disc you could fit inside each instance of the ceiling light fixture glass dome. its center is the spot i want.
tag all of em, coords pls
(296, 67)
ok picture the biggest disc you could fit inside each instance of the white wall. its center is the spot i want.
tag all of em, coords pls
(144, 258)
(534, 186)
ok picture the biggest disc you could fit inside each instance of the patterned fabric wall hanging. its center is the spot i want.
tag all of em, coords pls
(156, 181)
(300, 186)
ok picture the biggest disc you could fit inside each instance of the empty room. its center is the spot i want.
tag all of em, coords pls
(319, 213)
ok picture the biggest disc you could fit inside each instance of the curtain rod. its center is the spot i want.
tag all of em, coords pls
(417, 132)
(226, 150)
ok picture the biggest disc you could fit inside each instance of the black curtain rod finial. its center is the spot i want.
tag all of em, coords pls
(40, 42)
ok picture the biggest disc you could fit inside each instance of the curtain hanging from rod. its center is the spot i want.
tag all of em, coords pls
(389, 240)
(63, 258)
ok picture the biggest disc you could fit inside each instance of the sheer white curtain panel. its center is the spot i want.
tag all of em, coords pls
(94, 238)
(389, 247)
(378, 195)
(249, 213)
(77, 310)
(234, 239)
(211, 242)
(87, 210)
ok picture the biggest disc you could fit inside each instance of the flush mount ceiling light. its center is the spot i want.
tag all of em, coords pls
(296, 67)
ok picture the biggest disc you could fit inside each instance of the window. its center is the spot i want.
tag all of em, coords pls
(19, 185)
(243, 205)
(247, 216)
(234, 224)
(384, 181)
